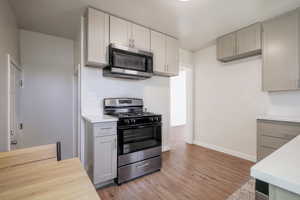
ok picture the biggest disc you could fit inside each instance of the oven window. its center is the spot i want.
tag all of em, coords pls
(141, 138)
(131, 62)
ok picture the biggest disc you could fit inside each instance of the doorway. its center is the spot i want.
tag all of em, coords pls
(15, 85)
(181, 93)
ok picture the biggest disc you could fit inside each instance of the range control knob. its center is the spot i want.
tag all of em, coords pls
(156, 119)
(126, 121)
(133, 121)
(151, 119)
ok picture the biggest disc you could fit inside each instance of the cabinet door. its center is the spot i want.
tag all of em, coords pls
(281, 52)
(97, 39)
(172, 56)
(226, 47)
(158, 47)
(105, 158)
(120, 31)
(140, 37)
(249, 39)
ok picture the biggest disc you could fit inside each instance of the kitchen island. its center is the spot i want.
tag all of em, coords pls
(47, 180)
(281, 170)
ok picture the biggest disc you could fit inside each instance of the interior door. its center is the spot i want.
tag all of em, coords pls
(15, 107)
(18, 114)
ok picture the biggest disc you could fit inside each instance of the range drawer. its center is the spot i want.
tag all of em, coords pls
(138, 169)
(105, 129)
(138, 156)
(284, 130)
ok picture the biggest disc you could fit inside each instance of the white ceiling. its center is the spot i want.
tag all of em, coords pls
(196, 22)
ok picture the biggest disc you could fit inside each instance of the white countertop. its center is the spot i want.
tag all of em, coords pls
(280, 118)
(281, 168)
(99, 118)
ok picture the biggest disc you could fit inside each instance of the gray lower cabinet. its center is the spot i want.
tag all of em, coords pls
(240, 44)
(271, 135)
(101, 152)
(281, 52)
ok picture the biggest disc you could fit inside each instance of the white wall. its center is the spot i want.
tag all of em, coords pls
(284, 103)
(228, 98)
(9, 44)
(47, 101)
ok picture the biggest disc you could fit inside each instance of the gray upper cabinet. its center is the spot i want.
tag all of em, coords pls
(97, 38)
(240, 44)
(249, 40)
(281, 52)
(226, 47)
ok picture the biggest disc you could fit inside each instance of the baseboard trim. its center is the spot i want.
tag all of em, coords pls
(166, 148)
(226, 151)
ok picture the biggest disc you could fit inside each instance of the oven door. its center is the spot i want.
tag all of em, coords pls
(136, 138)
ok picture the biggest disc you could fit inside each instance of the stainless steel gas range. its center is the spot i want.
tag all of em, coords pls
(139, 138)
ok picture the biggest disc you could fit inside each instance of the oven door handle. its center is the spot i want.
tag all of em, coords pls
(139, 126)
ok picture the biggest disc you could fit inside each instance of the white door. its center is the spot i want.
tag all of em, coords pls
(141, 37)
(15, 107)
(105, 158)
(120, 31)
(97, 37)
(158, 47)
(172, 55)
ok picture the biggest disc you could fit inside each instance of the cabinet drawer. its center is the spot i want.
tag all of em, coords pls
(264, 152)
(272, 142)
(105, 129)
(138, 169)
(284, 130)
(138, 156)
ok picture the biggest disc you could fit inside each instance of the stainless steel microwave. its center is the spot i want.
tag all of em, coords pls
(130, 63)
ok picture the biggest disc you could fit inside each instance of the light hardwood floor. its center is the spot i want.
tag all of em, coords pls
(189, 172)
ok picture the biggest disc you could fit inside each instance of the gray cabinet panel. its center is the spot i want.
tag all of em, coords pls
(226, 47)
(101, 151)
(264, 152)
(272, 142)
(272, 135)
(281, 52)
(284, 130)
(249, 40)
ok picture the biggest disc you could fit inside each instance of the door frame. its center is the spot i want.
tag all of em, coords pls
(10, 62)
